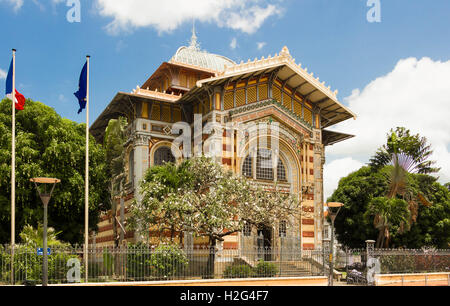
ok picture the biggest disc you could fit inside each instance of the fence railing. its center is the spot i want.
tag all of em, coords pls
(141, 262)
(392, 261)
(361, 265)
(146, 263)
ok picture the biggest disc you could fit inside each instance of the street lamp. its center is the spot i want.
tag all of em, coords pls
(333, 210)
(45, 198)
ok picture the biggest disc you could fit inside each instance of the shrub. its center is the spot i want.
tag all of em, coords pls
(28, 265)
(238, 271)
(168, 260)
(397, 264)
(265, 269)
(137, 260)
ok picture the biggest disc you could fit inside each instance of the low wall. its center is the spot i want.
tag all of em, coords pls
(282, 281)
(415, 279)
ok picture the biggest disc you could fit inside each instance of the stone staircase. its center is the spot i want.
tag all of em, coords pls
(293, 269)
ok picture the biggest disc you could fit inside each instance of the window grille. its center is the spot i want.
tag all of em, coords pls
(281, 172)
(287, 100)
(276, 93)
(156, 112)
(298, 108)
(163, 155)
(176, 115)
(247, 168)
(228, 100)
(264, 166)
(308, 116)
(251, 94)
(166, 114)
(240, 97)
(262, 91)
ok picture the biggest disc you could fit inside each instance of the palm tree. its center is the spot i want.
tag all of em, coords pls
(405, 153)
(34, 237)
(388, 212)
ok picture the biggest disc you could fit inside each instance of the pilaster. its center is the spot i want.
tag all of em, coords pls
(318, 186)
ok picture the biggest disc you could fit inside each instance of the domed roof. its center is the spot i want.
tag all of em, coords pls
(193, 55)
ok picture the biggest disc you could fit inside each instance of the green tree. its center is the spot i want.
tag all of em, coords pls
(48, 145)
(160, 208)
(407, 154)
(34, 237)
(359, 189)
(413, 151)
(432, 227)
(356, 191)
(389, 214)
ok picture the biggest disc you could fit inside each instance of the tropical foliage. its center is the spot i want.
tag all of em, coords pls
(35, 237)
(354, 224)
(48, 145)
(406, 154)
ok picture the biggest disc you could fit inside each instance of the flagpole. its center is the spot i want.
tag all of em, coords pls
(13, 167)
(86, 199)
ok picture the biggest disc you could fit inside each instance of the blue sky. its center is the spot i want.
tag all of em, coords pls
(127, 42)
(332, 38)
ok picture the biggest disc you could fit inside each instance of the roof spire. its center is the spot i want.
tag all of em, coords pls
(194, 43)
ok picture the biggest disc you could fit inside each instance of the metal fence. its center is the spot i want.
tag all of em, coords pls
(148, 263)
(359, 263)
(392, 261)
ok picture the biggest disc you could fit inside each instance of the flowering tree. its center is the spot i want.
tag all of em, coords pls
(200, 196)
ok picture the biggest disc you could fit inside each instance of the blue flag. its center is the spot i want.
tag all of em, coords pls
(81, 94)
(9, 80)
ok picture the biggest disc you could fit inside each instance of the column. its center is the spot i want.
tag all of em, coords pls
(141, 164)
(318, 186)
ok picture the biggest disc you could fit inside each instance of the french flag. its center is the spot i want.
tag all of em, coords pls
(20, 99)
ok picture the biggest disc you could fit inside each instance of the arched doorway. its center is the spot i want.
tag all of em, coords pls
(264, 242)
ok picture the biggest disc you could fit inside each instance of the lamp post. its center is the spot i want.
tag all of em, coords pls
(45, 198)
(333, 210)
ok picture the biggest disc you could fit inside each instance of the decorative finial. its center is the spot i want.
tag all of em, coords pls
(285, 50)
(194, 43)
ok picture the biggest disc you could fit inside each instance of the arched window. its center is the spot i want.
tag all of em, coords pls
(163, 155)
(281, 172)
(264, 167)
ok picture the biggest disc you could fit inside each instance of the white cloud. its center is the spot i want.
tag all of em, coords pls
(415, 95)
(165, 16)
(39, 5)
(3, 74)
(260, 45)
(233, 43)
(17, 4)
(335, 170)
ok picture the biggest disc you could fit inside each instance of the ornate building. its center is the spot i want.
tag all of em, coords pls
(271, 90)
